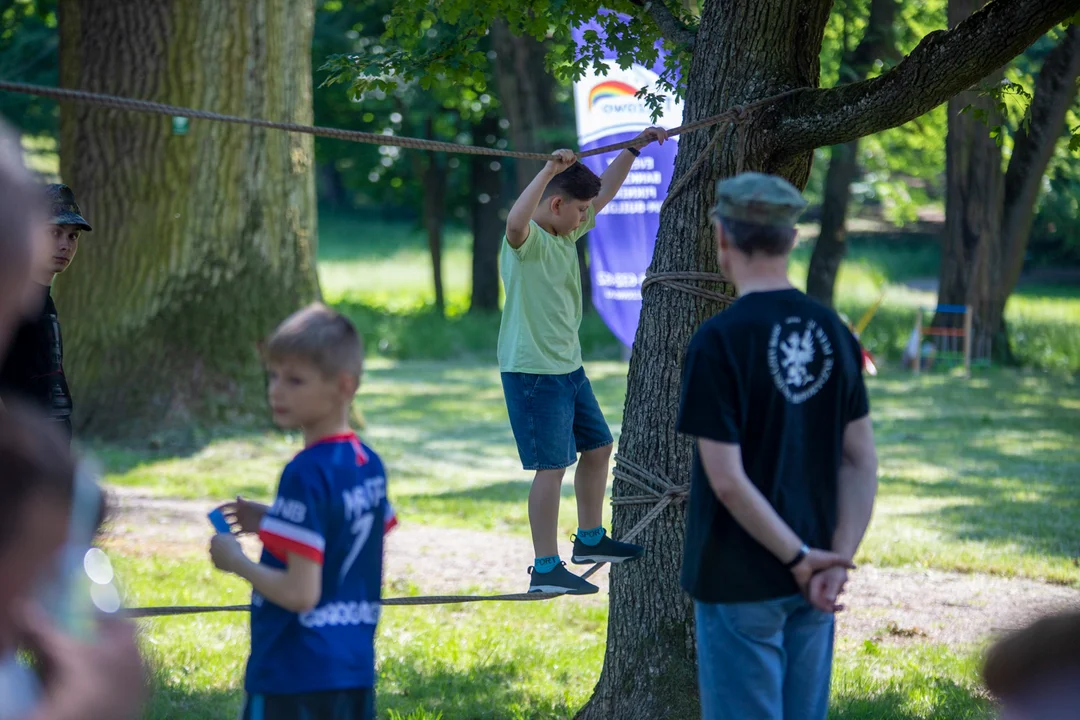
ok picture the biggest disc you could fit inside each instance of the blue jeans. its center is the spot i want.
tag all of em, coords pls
(554, 417)
(768, 660)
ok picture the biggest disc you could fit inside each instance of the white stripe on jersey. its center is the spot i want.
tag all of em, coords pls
(292, 532)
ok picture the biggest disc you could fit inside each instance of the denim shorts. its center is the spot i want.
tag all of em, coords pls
(554, 417)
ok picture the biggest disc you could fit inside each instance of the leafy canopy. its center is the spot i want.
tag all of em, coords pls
(415, 50)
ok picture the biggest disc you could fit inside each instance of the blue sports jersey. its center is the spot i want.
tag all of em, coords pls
(331, 507)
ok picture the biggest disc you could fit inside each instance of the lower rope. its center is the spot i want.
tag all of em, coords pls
(660, 493)
(172, 610)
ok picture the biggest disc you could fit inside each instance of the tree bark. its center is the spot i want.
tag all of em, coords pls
(747, 49)
(989, 212)
(434, 214)
(1033, 148)
(487, 226)
(527, 94)
(944, 64)
(974, 182)
(202, 241)
(831, 246)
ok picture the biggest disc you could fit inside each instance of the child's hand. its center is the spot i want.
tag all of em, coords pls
(560, 160)
(651, 134)
(244, 514)
(226, 552)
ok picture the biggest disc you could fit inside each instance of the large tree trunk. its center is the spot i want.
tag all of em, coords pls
(746, 49)
(1055, 91)
(974, 181)
(202, 241)
(527, 93)
(988, 212)
(434, 212)
(831, 246)
(487, 226)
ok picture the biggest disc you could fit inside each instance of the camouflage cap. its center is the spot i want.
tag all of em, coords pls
(63, 210)
(760, 199)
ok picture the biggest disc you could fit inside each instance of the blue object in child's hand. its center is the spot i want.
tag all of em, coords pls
(217, 519)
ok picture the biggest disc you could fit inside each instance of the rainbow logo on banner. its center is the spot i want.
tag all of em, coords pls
(610, 89)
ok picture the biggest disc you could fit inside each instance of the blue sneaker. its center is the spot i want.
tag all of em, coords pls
(560, 580)
(605, 551)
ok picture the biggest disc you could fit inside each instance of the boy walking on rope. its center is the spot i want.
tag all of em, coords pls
(317, 588)
(553, 412)
(785, 471)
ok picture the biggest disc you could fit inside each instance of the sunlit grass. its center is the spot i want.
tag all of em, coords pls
(500, 660)
(975, 475)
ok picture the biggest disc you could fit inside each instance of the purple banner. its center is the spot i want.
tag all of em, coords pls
(621, 245)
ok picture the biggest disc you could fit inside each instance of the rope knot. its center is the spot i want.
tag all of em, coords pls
(741, 114)
(677, 491)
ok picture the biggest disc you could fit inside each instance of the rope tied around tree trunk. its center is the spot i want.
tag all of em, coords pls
(736, 114)
(678, 281)
(739, 116)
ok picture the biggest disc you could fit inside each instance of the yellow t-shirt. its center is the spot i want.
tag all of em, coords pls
(542, 312)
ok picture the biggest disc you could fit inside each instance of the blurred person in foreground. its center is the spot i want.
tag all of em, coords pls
(97, 680)
(1035, 672)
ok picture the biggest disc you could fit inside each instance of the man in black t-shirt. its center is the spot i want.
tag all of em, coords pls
(34, 367)
(785, 470)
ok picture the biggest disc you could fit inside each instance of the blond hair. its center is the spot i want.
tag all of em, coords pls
(321, 336)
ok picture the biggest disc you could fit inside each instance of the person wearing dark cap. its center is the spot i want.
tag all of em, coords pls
(95, 678)
(784, 473)
(34, 366)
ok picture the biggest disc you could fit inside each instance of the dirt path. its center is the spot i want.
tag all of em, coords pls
(885, 604)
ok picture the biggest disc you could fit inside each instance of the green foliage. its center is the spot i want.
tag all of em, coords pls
(1011, 105)
(388, 177)
(28, 42)
(901, 167)
(413, 49)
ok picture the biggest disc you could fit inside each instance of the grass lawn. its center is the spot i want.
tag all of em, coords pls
(977, 475)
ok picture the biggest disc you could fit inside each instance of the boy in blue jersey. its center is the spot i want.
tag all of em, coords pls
(316, 589)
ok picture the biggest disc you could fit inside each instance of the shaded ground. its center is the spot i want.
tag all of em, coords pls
(1043, 276)
(884, 604)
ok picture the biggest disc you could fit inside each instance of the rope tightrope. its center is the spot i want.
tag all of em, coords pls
(659, 491)
(172, 610)
(662, 493)
(737, 114)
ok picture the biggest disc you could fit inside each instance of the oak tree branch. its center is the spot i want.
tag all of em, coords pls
(671, 27)
(944, 64)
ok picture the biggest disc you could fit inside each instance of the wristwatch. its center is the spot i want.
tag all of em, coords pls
(803, 552)
(634, 151)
